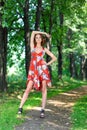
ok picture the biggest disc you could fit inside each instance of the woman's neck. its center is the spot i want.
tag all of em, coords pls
(38, 46)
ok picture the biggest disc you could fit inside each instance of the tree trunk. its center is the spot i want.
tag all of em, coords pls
(26, 35)
(59, 46)
(5, 35)
(38, 14)
(50, 31)
(44, 22)
(82, 68)
(72, 68)
(86, 68)
(72, 65)
(3, 53)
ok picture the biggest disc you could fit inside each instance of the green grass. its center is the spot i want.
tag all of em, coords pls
(8, 117)
(9, 102)
(79, 115)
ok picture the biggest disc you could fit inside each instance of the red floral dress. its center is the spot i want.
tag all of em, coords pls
(38, 70)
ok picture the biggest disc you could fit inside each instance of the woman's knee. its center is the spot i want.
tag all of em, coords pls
(29, 87)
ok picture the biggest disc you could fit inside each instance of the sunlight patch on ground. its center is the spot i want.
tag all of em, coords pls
(39, 108)
(55, 103)
(28, 107)
(19, 97)
(69, 105)
(60, 103)
(36, 108)
(69, 94)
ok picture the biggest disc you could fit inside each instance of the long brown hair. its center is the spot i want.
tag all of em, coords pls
(43, 37)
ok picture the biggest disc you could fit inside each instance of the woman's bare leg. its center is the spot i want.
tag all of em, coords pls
(44, 94)
(26, 93)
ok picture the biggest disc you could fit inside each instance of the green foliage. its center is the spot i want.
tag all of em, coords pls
(74, 13)
(16, 80)
(79, 114)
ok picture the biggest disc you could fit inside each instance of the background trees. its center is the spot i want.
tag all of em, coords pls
(64, 20)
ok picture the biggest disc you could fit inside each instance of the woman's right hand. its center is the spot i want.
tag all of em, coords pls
(48, 35)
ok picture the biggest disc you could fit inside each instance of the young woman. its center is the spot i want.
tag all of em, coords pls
(38, 76)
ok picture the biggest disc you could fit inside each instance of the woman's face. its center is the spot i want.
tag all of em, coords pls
(38, 38)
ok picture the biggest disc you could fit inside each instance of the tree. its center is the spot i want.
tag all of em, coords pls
(38, 14)
(3, 51)
(54, 17)
(27, 34)
(50, 32)
(71, 55)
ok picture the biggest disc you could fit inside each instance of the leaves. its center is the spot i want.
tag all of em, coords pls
(74, 13)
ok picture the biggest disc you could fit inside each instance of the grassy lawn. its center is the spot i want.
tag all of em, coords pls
(9, 102)
(79, 115)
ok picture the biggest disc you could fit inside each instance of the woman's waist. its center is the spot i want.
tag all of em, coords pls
(38, 63)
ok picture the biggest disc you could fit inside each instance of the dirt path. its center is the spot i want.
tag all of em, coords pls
(57, 112)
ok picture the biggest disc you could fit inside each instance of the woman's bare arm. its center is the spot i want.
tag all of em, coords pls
(36, 32)
(32, 37)
(51, 55)
(32, 40)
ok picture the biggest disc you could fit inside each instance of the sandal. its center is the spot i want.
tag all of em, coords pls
(20, 111)
(42, 114)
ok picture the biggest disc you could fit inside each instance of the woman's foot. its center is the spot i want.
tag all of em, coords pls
(20, 110)
(42, 113)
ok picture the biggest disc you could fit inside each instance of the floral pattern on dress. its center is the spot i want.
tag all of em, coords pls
(38, 70)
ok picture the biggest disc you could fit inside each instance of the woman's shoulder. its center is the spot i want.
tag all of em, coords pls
(32, 48)
(46, 49)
